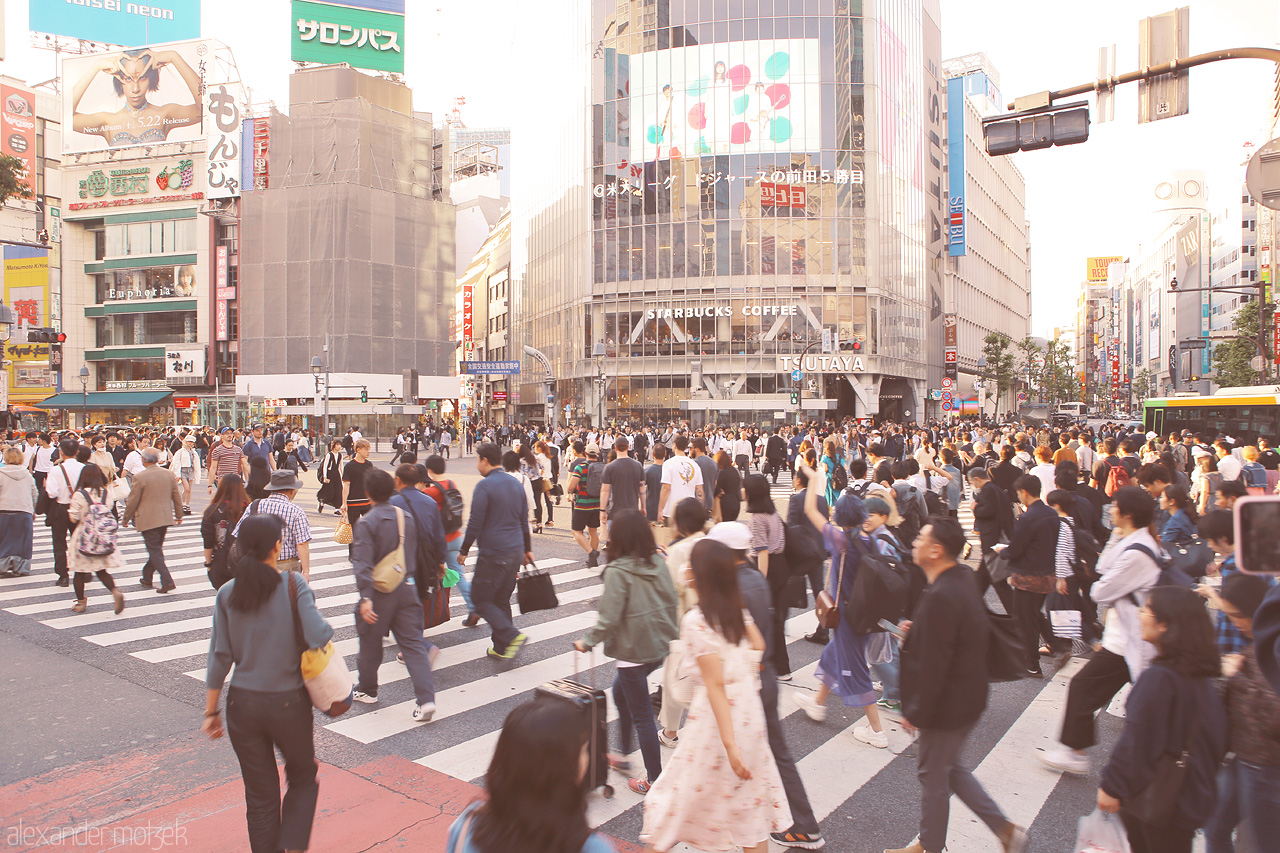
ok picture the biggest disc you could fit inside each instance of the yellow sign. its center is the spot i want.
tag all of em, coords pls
(1096, 268)
(26, 291)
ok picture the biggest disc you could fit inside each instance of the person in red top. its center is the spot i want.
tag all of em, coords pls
(435, 487)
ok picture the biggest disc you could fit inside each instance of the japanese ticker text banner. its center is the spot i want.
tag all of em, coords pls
(344, 32)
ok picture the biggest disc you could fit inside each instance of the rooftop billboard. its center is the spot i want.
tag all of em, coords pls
(118, 21)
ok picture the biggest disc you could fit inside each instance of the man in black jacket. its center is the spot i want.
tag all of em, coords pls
(993, 519)
(798, 525)
(775, 453)
(944, 688)
(1032, 551)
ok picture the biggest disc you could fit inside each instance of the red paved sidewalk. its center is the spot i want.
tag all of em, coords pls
(158, 799)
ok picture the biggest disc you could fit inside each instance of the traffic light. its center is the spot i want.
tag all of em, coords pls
(1028, 131)
(364, 395)
(45, 335)
(795, 398)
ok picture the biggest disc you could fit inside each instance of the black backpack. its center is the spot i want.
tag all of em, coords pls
(933, 503)
(839, 475)
(881, 589)
(451, 505)
(1170, 575)
(912, 516)
(277, 444)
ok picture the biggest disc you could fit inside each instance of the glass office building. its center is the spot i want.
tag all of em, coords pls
(711, 195)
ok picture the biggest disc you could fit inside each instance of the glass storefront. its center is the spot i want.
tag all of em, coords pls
(744, 180)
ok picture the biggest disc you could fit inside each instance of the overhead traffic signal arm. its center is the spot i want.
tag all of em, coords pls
(1035, 122)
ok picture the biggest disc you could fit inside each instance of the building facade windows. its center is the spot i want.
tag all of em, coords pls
(150, 238)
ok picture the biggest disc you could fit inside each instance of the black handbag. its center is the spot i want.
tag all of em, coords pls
(1157, 804)
(535, 590)
(1191, 557)
(1006, 651)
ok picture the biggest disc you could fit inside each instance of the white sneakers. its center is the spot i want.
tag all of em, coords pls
(424, 713)
(868, 735)
(364, 698)
(1065, 760)
(810, 706)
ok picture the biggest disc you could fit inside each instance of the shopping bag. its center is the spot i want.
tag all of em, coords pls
(878, 648)
(1064, 616)
(118, 490)
(342, 534)
(435, 606)
(324, 672)
(534, 589)
(1006, 655)
(1101, 832)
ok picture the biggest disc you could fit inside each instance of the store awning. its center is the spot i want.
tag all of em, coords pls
(106, 400)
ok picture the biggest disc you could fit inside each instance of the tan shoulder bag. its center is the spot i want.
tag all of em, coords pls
(390, 570)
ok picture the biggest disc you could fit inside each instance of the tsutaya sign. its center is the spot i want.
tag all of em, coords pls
(722, 311)
(822, 363)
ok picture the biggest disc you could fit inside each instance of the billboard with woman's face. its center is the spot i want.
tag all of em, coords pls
(134, 97)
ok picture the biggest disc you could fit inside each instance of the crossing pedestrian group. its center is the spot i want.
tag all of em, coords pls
(1101, 543)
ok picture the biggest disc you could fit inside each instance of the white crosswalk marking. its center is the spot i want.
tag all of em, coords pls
(171, 632)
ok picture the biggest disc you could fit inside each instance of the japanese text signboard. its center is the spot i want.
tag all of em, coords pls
(339, 32)
(225, 136)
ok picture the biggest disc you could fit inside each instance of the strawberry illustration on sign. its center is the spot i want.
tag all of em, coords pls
(162, 179)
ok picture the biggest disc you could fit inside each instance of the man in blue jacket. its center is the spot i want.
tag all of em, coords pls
(500, 509)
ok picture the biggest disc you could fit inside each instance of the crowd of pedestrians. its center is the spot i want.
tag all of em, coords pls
(1105, 544)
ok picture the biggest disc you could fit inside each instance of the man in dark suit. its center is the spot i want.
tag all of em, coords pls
(1031, 553)
(993, 519)
(944, 688)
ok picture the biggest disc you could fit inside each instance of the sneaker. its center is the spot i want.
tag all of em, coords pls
(618, 763)
(186, 510)
(811, 708)
(364, 698)
(1065, 760)
(145, 583)
(786, 676)
(593, 559)
(67, 582)
(889, 704)
(640, 786)
(511, 650)
(913, 847)
(472, 620)
(424, 713)
(868, 735)
(668, 742)
(1014, 839)
(798, 840)
(433, 655)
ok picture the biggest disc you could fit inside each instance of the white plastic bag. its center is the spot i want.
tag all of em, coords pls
(1101, 832)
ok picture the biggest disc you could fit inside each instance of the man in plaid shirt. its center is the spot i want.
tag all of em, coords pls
(295, 538)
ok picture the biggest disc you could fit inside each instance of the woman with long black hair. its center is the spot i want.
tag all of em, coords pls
(330, 475)
(768, 546)
(220, 518)
(267, 704)
(536, 800)
(1174, 709)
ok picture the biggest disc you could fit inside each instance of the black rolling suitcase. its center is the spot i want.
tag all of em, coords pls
(594, 712)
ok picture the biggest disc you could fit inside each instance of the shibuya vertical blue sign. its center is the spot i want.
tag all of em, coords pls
(955, 166)
(118, 21)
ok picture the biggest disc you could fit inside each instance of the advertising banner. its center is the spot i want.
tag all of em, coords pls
(1096, 268)
(26, 291)
(178, 179)
(222, 310)
(225, 139)
(468, 311)
(358, 35)
(185, 366)
(18, 117)
(139, 97)
(743, 97)
(118, 21)
(955, 168)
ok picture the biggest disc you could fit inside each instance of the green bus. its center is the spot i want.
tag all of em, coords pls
(1245, 414)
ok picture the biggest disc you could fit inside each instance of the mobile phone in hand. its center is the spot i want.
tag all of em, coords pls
(1257, 534)
(892, 629)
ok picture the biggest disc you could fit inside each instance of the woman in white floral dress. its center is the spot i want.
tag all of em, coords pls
(720, 790)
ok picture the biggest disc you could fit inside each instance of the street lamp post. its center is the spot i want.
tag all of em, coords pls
(318, 367)
(598, 352)
(980, 385)
(8, 319)
(84, 395)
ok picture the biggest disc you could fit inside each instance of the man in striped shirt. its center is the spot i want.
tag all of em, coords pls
(226, 458)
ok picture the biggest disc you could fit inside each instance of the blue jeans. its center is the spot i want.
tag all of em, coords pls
(635, 714)
(887, 675)
(1248, 799)
(464, 583)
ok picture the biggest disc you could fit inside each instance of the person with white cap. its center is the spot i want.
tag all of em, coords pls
(185, 467)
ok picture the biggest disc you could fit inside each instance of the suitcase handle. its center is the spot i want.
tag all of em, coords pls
(592, 653)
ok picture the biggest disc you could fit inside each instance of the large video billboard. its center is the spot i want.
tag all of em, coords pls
(118, 21)
(752, 97)
(142, 96)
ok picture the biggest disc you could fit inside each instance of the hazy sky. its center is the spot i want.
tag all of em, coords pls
(1090, 199)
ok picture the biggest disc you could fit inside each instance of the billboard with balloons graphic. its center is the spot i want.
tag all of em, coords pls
(750, 97)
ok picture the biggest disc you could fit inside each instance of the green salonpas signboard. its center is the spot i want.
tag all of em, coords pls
(363, 38)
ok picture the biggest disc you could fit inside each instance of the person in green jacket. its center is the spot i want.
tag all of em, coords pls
(636, 621)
